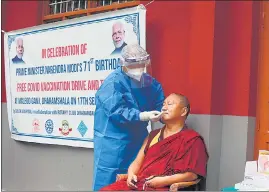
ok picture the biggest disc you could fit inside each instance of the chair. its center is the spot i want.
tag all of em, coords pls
(191, 185)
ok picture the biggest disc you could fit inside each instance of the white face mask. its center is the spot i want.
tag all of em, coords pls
(135, 73)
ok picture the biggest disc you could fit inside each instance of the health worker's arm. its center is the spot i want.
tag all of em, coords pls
(119, 107)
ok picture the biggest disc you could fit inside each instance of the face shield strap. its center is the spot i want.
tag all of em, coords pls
(137, 60)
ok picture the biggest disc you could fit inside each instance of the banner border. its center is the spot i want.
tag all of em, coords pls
(11, 37)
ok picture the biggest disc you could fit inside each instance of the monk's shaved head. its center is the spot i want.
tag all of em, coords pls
(184, 101)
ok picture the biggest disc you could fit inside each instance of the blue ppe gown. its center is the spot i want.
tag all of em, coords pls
(118, 131)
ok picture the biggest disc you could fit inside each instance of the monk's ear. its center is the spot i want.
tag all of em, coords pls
(184, 111)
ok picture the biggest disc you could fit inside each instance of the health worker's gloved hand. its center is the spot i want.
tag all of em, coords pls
(153, 116)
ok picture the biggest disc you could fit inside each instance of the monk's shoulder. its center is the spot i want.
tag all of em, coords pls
(154, 133)
(151, 135)
(189, 134)
(191, 131)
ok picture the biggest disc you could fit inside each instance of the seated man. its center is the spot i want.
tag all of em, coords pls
(169, 155)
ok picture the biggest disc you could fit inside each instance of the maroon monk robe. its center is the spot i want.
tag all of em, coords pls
(179, 153)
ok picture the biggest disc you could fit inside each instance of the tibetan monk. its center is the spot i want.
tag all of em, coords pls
(172, 154)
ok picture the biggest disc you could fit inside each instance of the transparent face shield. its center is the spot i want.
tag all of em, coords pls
(139, 70)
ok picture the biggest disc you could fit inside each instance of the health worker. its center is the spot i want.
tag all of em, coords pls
(126, 101)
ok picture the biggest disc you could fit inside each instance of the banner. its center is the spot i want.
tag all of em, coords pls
(54, 70)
